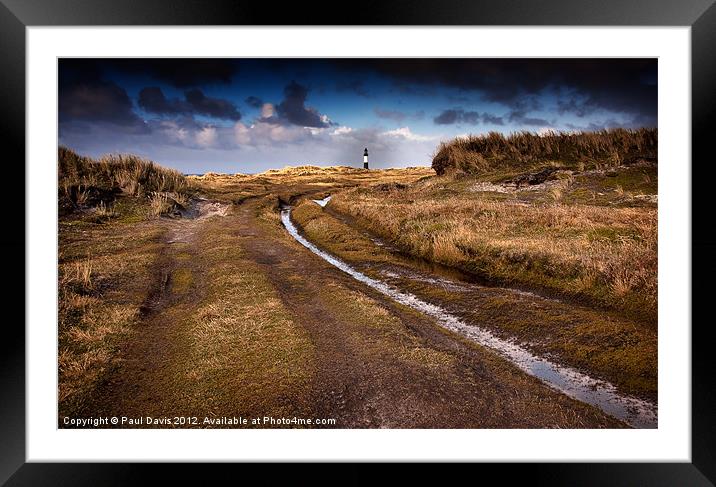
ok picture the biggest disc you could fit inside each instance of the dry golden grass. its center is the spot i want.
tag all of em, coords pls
(556, 194)
(241, 351)
(182, 199)
(132, 174)
(100, 295)
(78, 276)
(85, 182)
(160, 204)
(291, 182)
(82, 194)
(606, 254)
(105, 209)
(181, 280)
(476, 154)
(333, 236)
(309, 170)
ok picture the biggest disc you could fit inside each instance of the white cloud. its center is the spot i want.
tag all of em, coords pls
(316, 130)
(242, 134)
(266, 142)
(545, 131)
(268, 110)
(406, 133)
(342, 130)
(206, 137)
(281, 133)
(172, 130)
(265, 134)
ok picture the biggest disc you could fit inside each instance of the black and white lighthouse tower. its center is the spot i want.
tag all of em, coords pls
(365, 158)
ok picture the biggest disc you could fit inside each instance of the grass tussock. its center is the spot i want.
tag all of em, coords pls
(105, 210)
(159, 203)
(479, 154)
(78, 276)
(96, 183)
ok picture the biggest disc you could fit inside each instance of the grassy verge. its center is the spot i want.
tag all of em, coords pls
(604, 254)
(105, 276)
(107, 257)
(601, 343)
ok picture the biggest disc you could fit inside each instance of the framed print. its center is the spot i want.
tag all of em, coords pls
(430, 237)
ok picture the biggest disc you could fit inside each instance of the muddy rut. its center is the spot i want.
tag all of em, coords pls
(137, 388)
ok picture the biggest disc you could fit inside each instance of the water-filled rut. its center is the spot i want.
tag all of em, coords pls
(633, 411)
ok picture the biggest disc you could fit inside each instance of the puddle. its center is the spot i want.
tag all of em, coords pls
(435, 281)
(633, 411)
(204, 208)
(184, 229)
(322, 202)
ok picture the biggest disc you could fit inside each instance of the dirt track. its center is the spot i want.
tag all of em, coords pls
(373, 363)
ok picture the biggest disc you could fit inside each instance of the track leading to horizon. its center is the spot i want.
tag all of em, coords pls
(249, 322)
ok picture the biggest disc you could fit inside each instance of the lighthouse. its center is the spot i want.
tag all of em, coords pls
(365, 158)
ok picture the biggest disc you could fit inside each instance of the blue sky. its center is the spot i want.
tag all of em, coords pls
(249, 115)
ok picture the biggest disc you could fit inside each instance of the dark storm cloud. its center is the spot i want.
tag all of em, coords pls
(492, 119)
(254, 101)
(636, 122)
(447, 117)
(521, 117)
(572, 106)
(293, 107)
(211, 107)
(195, 102)
(97, 102)
(584, 107)
(460, 116)
(85, 96)
(622, 85)
(152, 99)
(180, 73)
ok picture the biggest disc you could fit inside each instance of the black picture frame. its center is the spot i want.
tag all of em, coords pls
(16, 15)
